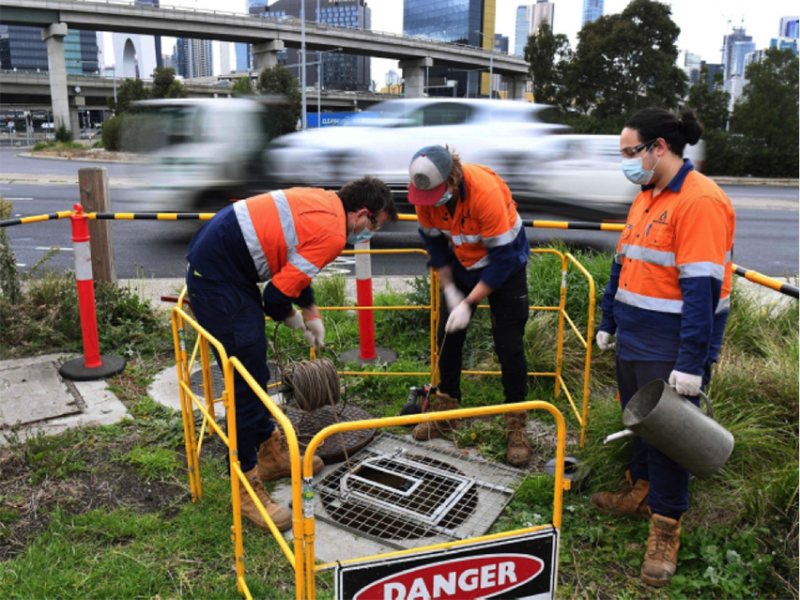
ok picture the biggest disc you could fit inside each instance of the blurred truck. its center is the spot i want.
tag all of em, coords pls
(203, 153)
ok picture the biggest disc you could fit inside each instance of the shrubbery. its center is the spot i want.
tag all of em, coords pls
(111, 132)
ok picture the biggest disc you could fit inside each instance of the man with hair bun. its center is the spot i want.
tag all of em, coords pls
(478, 246)
(667, 303)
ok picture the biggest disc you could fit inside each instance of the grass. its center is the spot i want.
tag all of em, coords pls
(106, 511)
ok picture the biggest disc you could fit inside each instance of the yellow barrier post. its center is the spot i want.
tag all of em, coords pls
(562, 311)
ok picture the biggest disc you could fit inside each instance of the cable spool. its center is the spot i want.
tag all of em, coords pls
(312, 383)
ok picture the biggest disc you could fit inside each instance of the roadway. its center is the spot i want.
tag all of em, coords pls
(766, 237)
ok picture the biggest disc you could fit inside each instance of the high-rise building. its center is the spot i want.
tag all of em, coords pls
(522, 29)
(501, 43)
(740, 50)
(156, 39)
(194, 58)
(22, 48)
(592, 10)
(784, 44)
(789, 27)
(242, 56)
(393, 78)
(339, 71)
(458, 21)
(713, 69)
(543, 12)
(729, 45)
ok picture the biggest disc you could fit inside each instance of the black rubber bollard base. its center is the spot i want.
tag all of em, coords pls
(384, 356)
(75, 369)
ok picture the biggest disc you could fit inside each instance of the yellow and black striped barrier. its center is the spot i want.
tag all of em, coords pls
(778, 286)
(754, 276)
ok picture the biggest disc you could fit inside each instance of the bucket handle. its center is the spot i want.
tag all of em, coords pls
(706, 401)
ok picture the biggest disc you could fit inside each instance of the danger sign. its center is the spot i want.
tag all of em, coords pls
(516, 567)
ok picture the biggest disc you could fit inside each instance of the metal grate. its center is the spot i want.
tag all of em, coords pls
(407, 494)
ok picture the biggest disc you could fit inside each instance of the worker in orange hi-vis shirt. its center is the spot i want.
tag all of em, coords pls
(479, 248)
(667, 302)
(284, 238)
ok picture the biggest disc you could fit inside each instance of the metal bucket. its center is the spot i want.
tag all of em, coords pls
(662, 417)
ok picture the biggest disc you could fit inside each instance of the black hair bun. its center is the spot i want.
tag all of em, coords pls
(691, 128)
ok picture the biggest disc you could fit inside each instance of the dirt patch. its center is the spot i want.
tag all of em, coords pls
(105, 484)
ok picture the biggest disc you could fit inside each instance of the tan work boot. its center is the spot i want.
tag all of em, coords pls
(630, 501)
(661, 559)
(433, 429)
(519, 446)
(282, 517)
(273, 458)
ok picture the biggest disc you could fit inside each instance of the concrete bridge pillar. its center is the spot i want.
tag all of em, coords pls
(414, 76)
(516, 86)
(266, 55)
(53, 36)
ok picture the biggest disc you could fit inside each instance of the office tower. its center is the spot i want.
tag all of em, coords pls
(543, 12)
(339, 71)
(22, 48)
(242, 56)
(457, 21)
(522, 29)
(194, 58)
(712, 70)
(728, 46)
(224, 58)
(592, 10)
(784, 44)
(740, 50)
(501, 43)
(789, 27)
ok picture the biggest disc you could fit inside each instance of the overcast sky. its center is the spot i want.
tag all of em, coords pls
(703, 23)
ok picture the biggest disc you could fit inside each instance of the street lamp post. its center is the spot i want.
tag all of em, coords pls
(491, 63)
(304, 112)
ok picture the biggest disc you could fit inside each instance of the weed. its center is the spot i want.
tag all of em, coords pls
(152, 463)
(54, 456)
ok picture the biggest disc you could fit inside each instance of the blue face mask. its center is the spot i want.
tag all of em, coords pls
(445, 199)
(635, 172)
(357, 238)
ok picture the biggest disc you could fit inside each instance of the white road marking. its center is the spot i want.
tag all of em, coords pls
(46, 248)
(21, 265)
(17, 198)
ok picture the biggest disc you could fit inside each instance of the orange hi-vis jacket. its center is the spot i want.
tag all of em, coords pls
(292, 234)
(669, 292)
(485, 219)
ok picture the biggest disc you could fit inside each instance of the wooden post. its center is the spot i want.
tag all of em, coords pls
(95, 197)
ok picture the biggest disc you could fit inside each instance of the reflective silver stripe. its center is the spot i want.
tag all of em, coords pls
(251, 240)
(465, 239)
(504, 238)
(623, 249)
(480, 264)
(723, 305)
(648, 255)
(301, 264)
(287, 221)
(701, 269)
(618, 258)
(430, 232)
(648, 303)
(728, 256)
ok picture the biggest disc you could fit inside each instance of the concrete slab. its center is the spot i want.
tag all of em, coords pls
(34, 392)
(94, 402)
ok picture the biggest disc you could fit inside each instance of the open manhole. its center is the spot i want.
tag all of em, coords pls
(406, 494)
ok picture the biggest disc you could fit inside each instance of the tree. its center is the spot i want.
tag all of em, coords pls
(177, 90)
(711, 105)
(768, 109)
(626, 61)
(549, 56)
(242, 86)
(129, 91)
(278, 80)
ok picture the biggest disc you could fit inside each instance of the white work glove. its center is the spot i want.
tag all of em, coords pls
(604, 341)
(459, 318)
(453, 296)
(686, 384)
(315, 332)
(295, 320)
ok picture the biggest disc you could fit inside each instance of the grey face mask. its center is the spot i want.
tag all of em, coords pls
(446, 197)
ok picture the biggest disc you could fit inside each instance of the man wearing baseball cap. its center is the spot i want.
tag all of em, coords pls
(479, 248)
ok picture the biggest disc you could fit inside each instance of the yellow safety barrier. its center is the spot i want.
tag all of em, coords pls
(309, 523)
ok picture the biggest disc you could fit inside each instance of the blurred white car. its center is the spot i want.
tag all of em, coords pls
(382, 140)
(576, 176)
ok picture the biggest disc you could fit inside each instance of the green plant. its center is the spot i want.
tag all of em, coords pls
(63, 133)
(152, 463)
(10, 287)
(111, 132)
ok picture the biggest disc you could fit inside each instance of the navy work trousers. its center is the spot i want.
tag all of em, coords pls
(669, 482)
(232, 313)
(509, 307)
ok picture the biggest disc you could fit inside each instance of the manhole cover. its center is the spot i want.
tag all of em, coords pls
(39, 394)
(307, 425)
(407, 494)
(217, 380)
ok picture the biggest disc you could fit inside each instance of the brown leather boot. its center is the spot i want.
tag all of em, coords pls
(282, 517)
(273, 458)
(630, 501)
(661, 559)
(433, 429)
(519, 446)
